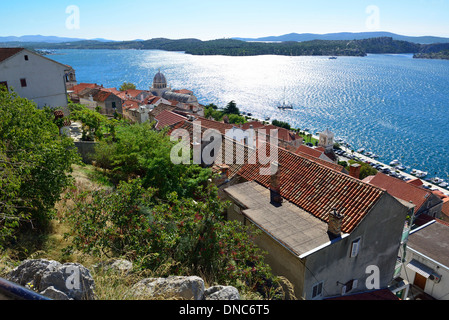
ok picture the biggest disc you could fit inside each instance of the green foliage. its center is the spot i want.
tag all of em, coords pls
(191, 234)
(230, 111)
(34, 162)
(281, 124)
(94, 124)
(365, 170)
(236, 119)
(142, 152)
(127, 86)
(231, 108)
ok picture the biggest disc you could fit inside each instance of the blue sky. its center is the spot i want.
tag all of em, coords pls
(213, 19)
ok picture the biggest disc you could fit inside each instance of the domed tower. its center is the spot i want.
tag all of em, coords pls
(159, 84)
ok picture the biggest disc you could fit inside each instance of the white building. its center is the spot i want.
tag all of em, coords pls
(34, 77)
(426, 263)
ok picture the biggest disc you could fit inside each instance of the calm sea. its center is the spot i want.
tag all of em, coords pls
(392, 105)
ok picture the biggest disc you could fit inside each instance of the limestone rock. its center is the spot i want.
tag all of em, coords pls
(171, 288)
(121, 266)
(72, 279)
(221, 293)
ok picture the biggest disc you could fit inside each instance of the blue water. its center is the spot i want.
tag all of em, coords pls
(392, 105)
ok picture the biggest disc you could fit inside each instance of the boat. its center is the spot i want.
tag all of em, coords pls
(421, 174)
(368, 154)
(414, 171)
(332, 58)
(374, 156)
(284, 105)
(394, 163)
(436, 180)
(361, 150)
(443, 184)
(401, 167)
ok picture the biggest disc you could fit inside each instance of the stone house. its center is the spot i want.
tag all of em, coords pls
(327, 232)
(34, 77)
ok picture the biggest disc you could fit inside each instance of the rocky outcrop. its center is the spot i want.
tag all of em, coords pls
(176, 287)
(69, 281)
(221, 293)
(72, 281)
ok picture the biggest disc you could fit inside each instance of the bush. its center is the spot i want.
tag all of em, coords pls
(34, 162)
(193, 236)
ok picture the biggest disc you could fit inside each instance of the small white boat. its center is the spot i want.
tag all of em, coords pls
(421, 174)
(394, 163)
(436, 180)
(443, 184)
(375, 156)
(361, 150)
(401, 167)
(414, 171)
(368, 154)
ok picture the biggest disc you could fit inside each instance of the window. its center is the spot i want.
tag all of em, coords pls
(355, 247)
(352, 284)
(317, 290)
(23, 82)
(26, 57)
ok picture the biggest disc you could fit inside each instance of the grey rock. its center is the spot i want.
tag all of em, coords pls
(54, 294)
(171, 288)
(221, 293)
(120, 266)
(72, 279)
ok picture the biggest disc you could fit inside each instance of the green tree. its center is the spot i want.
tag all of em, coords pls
(231, 108)
(186, 236)
(34, 164)
(127, 86)
(141, 151)
(94, 124)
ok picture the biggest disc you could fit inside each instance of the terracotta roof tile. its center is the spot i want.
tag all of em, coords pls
(168, 118)
(400, 189)
(6, 53)
(317, 188)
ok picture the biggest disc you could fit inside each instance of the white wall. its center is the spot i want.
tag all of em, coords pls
(44, 77)
(440, 290)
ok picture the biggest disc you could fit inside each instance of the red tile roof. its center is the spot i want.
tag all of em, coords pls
(6, 53)
(317, 188)
(415, 182)
(400, 189)
(102, 95)
(130, 104)
(310, 151)
(212, 124)
(168, 118)
(81, 86)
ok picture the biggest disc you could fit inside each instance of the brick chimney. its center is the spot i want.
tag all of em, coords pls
(354, 170)
(334, 224)
(275, 183)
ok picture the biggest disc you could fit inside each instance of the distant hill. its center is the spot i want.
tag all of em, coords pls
(348, 36)
(44, 39)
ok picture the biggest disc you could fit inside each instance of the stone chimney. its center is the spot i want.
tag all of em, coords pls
(334, 224)
(275, 183)
(354, 170)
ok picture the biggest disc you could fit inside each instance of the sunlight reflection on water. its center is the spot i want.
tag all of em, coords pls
(392, 105)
